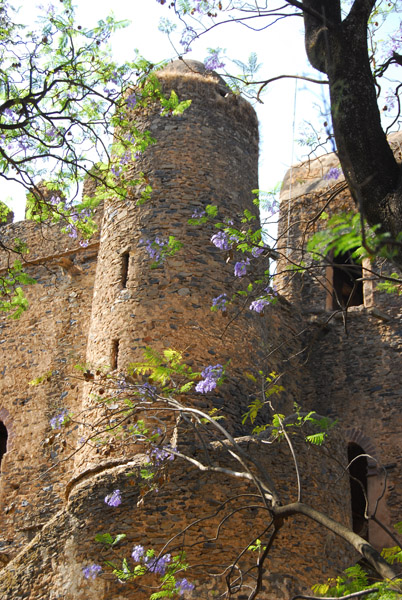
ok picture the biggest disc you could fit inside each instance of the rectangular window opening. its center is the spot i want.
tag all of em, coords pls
(345, 277)
(125, 259)
(114, 358)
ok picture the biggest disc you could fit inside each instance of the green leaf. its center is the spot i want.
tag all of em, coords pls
(104, 538)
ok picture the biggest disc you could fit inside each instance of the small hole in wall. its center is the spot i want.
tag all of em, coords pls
(114, 358)
(125, 260)
(3, 440)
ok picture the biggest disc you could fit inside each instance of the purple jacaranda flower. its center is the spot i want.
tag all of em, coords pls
(271, 290)
(114, 499)
(71, 230)
(187, 37)
(259, 305)
(210, 376)
(198, 213)
(92, 571)
(220, 302)
(59, 420)
(154, 248)
(214, 371)
(137, 553)
(213, 62)
(131, 100)
(220, 240)
(255, 252)
(205, 386)
(333, 173)
(147, 391)
(159, 455)
(183, 585)
(157, 565)
(240, 268)
(116, 170)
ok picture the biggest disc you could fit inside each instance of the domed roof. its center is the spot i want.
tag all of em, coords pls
(186, 66)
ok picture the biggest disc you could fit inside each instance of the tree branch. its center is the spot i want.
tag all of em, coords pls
(373, 557)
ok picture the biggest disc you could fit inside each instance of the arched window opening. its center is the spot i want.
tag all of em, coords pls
(347, 289)
(358, 488)
(3, 440)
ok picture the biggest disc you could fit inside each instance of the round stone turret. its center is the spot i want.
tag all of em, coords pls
(206, 156)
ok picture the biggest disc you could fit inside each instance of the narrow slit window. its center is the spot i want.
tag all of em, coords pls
(125, 260)
(358, 488)
(3, 440)
(347, 281)
(114, 359)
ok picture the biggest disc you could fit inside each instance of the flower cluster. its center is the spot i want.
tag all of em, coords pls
(154, 565)
(131, 100)
(259, 305)
(155, 248)
(59, 420)
(147, 391)
(220, 302)
(92, 571)
(333, 173)
(210, 375)
(75, 218)
(114, 499)
(183, 585)
(159, 455)
(198, 213)
(395, 42)
(240, 268)
(257, 251)
(137, 553)
(188, 35)
(221, 241)
(213, 62)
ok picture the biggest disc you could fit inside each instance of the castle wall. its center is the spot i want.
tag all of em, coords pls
(86, 300)
(353, 358)
(47, 340)
(51, 565)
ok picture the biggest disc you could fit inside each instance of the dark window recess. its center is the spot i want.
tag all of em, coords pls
(114, 359)
(347, 290)
(125, 259)
(3, 440)
(358, 488)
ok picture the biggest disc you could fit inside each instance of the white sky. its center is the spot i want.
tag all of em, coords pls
(280, 49)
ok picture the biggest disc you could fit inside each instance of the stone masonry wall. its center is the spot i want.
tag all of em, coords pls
(51, 508)
(353, 358)
(49, 338)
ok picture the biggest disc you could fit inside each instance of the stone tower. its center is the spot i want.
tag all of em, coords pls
(207, 156)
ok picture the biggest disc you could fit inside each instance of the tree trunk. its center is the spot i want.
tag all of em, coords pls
(339, 49)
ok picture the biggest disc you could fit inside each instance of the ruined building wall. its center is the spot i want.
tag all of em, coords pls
(50, 338)
(353, 358)
(78, 312)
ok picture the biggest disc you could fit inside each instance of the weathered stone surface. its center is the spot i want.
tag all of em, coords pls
(51, 508)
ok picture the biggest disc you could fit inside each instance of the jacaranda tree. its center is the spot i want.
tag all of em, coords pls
(61, 98)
